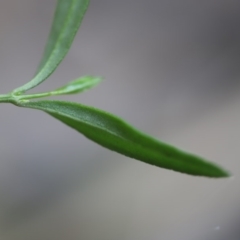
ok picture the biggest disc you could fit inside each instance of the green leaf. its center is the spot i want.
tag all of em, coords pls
(78, 85)
(67, 19)
(117, 135)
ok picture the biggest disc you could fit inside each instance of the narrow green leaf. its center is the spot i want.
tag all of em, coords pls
(117, 135)
(76, 86)
(79, 85)
(67, 19)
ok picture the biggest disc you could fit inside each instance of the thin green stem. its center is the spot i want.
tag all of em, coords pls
(39, 95)
(6, 98)
(36, 95)
(12, 98)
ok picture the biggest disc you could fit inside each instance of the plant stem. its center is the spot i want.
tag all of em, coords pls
(6, 98)
(36, 95)
(12, 98)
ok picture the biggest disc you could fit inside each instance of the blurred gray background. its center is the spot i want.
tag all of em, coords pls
(171, 68)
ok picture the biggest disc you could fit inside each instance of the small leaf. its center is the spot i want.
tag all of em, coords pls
(67, 19)
(117, 135)
(78, 85)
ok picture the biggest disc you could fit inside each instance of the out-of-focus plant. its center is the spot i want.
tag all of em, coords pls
(101, 127)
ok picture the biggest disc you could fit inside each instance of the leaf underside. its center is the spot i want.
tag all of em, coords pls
(115, 134)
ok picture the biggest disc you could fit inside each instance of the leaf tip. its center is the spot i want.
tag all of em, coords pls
(217, 172)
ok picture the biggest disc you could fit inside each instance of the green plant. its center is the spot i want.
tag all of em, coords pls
(97, 125)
